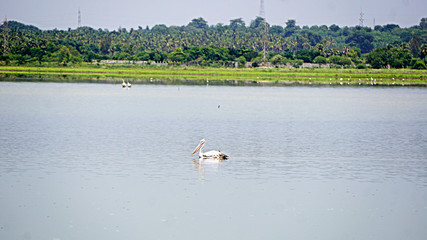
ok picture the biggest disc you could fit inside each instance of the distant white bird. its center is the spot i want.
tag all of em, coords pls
(129, 85)
(214, 154)
(123, 84)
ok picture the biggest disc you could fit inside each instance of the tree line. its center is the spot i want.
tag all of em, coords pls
(198, 43)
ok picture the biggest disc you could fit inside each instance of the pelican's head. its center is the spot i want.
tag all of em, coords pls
(202, 142)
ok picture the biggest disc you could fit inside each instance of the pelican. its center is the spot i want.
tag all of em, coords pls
(129, 85)
(123, 84)
(214, 154)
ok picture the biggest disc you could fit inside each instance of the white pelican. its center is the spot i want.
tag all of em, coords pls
(123, 84)
(129, 85)
(214, 154)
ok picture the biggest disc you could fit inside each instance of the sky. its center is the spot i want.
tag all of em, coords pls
(113, 14)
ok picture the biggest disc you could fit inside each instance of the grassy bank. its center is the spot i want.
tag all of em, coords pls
(109, 73)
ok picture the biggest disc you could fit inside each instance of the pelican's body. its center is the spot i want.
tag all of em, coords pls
(214, 154)
(123, 84)
(129, 85)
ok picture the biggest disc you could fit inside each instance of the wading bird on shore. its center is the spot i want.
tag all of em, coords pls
(214, 154)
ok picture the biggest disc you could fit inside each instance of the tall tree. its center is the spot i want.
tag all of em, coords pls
(237, 23)
(423, 52)
(334, 28)
(198, 23)
(257, 23)
(291, 23)
(290, 27)
(423, 24)
(105, 44)
(415, 46)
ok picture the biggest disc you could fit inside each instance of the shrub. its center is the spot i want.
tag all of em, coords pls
(419, 65)
(361, 66)
(241, 60)
(297, 63)
(276, 59)
(319, 59)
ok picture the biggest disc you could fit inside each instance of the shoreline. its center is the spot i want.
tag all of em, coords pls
(216, 76)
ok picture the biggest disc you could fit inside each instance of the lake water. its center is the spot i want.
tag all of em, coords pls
(95, 161)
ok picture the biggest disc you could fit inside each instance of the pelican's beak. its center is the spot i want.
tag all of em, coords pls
(197, 148)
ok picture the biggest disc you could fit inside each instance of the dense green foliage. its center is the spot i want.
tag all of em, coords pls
(200, 44)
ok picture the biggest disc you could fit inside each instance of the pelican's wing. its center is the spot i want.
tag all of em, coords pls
(215, 154)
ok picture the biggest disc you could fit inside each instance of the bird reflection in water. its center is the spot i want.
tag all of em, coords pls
(207, 164)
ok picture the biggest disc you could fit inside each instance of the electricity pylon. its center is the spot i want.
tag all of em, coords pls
(265, 30)
(5, 36)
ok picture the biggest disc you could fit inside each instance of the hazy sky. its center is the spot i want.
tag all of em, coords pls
(112, 14)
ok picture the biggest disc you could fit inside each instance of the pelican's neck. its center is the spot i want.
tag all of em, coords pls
(201, 150)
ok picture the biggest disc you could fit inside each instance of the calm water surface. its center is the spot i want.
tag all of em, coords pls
(95, 161)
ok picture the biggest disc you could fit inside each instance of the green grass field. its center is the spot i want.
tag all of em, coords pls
(112, 73)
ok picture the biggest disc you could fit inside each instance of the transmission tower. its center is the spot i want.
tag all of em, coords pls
(79, 23)
(265, 33)
(5, 36)
(361, 19)
(262, 9)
